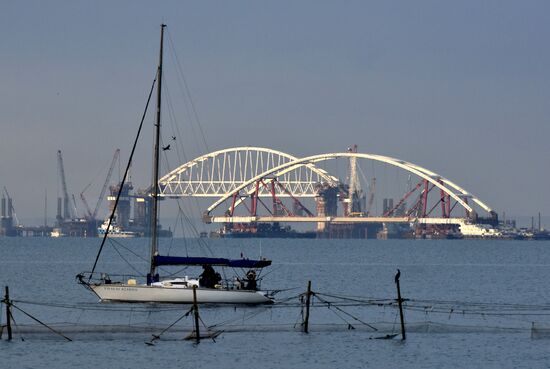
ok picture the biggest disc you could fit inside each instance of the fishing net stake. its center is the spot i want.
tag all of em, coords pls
(196, 313)
(308, 300)
(9, 317)
(8, 313)
(400, 302)
(196, 333)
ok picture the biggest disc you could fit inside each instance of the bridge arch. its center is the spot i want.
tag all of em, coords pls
(221, 172)
(431, 177)
(446, 181)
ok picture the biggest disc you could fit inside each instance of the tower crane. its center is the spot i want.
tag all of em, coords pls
(93, 214)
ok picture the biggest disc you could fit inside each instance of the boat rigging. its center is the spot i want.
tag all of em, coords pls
(211, 288)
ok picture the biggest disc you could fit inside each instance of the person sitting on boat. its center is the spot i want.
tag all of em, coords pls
(237, 283)
(251, 280)
(105, 278)
(209, 278)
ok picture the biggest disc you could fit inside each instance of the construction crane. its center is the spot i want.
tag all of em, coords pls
(66, 208)
(93, 214)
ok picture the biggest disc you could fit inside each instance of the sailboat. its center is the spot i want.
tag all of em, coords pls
(210, 288)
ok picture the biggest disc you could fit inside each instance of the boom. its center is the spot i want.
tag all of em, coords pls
(85, 202)
(106, 184)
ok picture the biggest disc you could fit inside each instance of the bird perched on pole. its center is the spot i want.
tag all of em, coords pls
(397, 276)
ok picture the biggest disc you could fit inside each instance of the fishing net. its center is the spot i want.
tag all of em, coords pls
(376, 318)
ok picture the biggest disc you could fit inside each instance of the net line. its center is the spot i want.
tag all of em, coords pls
(365, 315)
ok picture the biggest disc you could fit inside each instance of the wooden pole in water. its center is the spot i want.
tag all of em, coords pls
(8, 312)
(400, 302)
(196, 311)
(308, 300)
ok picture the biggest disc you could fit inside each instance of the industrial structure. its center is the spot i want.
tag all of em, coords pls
(123, 223)
(261, 192)
(67, 221)
(7, 215)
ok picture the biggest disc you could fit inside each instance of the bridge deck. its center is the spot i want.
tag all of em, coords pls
(270, 219)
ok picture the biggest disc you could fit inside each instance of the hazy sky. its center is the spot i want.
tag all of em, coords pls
(460, 87)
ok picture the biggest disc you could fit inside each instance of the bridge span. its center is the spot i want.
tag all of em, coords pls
(240, 179)
(334, 220)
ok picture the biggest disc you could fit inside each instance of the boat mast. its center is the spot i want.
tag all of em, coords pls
(154, 210)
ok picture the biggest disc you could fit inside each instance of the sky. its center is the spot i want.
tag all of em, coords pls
(459, 87)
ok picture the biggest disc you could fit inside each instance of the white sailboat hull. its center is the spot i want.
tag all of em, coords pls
(143, 293)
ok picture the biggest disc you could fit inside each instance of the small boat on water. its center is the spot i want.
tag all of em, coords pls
(114, 231)
(210, 287)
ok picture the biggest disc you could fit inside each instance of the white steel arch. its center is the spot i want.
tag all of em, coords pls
(433, 178)
(221, 172)
(463, 192)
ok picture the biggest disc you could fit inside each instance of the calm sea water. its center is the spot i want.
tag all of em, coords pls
(496, 272)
